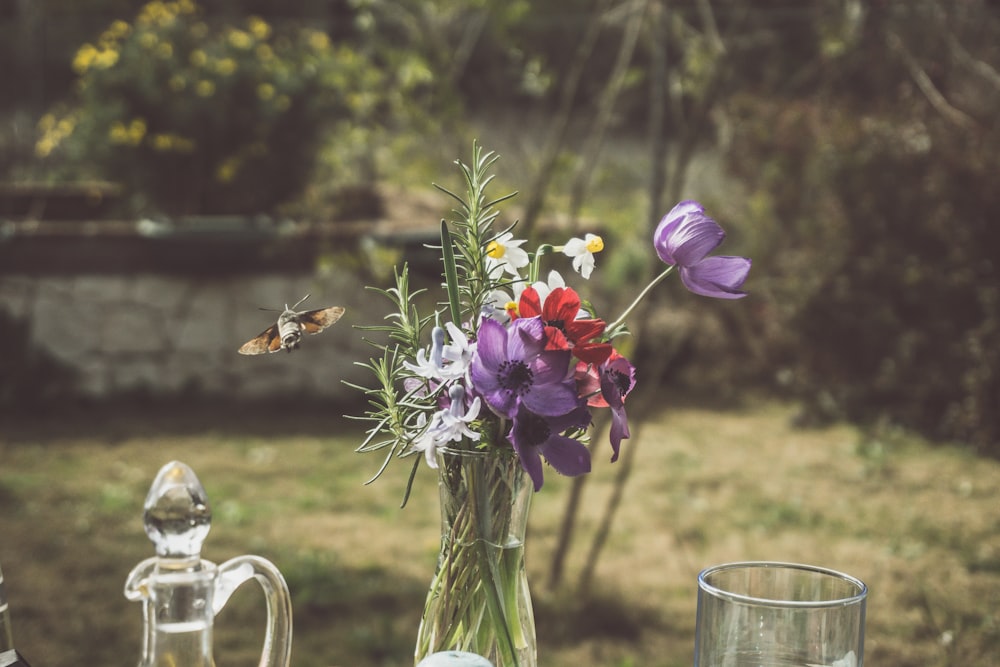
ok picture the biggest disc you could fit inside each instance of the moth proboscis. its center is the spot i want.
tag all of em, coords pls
(286, 333)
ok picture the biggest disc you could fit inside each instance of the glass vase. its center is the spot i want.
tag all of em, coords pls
(479, 599)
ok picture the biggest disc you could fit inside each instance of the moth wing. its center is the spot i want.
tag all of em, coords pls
(314, 321)
(266, 341)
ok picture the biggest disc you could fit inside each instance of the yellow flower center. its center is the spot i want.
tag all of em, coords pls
(496, 250)
(595, 244)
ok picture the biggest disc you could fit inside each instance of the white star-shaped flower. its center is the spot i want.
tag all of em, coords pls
(582, 251)
(505, 253)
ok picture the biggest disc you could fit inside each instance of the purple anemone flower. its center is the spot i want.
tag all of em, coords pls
(617, 380)
(511, 366)
(534, 436)
(684, 238)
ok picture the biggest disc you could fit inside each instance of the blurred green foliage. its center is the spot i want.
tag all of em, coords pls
(872, 167)
(201, 116)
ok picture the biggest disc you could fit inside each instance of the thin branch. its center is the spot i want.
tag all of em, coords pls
(980, 67)
(657, 110)
(711, 27)
(556, 135)
(595, 141)
(923, 80)
(467, 44)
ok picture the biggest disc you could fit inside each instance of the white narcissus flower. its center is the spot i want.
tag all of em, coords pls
(504, 252)
(582, 251)
(496, 303)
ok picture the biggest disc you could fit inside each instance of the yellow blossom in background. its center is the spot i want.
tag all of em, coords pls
(84, 58)
(414, 72)
(264, 52)
(47, 122)
(119, 29)
(226, 171)
(156, 13)
(148, 40)
(258, 27)
(205, 88)
(169, 142)
(45, 146)
(54, 131)
(118, 133)
(115, 32)
(89, 56)
(265, 91)
(136, 131)
(106, 59)
(169, 71)
(239, 39)
(160, 142)
(318, 41)
(225, 66)
(198, 58)
(127, 135)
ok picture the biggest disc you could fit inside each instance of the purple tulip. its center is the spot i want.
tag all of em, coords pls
(684, 238)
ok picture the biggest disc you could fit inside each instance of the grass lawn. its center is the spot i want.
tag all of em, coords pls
(920, 525)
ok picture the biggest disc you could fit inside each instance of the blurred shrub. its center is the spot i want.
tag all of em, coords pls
(880, 239)
(198, 116)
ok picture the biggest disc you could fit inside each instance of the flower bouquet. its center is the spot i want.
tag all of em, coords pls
(513, 369)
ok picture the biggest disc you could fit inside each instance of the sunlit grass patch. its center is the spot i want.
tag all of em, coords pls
(708, 487)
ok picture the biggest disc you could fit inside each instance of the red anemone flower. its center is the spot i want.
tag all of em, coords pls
(562, 328)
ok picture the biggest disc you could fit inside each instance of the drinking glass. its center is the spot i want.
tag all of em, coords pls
(767, 614)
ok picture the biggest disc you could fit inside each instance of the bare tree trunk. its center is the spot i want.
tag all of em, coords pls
(556, 135)
(586, 162)
(470, 36)
(656, 365)
(657, 109)
(657, 136)
(568, 525)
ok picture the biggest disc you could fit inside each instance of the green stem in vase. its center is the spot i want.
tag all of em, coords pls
(495, 496)
(473, 603)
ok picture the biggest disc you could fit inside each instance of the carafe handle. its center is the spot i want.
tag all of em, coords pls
(278, 640)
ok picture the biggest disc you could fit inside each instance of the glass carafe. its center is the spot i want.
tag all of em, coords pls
(181, 593)
(9, 657)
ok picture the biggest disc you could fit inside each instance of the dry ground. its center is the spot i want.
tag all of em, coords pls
(920, 525)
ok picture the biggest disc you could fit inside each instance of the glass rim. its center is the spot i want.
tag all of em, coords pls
(859, 597)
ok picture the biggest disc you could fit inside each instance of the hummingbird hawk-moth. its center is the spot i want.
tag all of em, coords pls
(286, 333)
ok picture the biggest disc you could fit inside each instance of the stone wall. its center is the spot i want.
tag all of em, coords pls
(171, 335)
(118, 327)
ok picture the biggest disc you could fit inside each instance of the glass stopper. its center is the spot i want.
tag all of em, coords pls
(176, 514)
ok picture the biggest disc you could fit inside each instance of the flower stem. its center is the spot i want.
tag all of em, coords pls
(533, 270)
(475, 600)
(612, 329)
